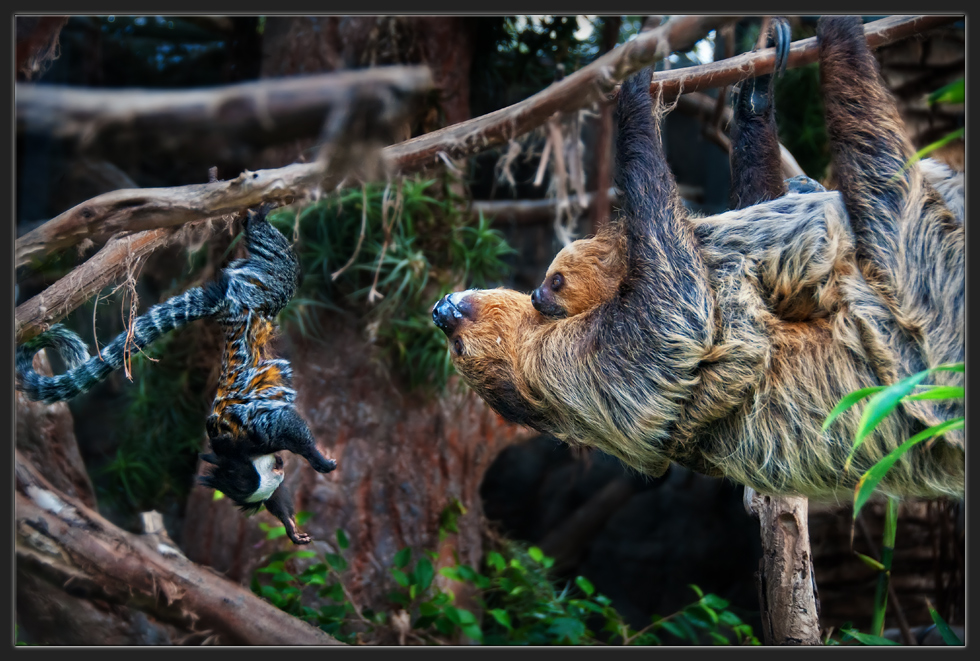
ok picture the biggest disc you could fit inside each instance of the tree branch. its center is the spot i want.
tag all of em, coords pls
(65, 541)
(578, 90)
(786, 583)
(756, 63)
(144, 209)
(254, 114)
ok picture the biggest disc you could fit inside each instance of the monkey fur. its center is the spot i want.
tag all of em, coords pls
(253, 416)
(689, 359)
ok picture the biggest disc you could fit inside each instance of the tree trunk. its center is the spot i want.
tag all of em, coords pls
(787, 592)
(402, 460)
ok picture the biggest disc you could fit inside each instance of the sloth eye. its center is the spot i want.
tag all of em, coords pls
(458, 347)
(557, 281)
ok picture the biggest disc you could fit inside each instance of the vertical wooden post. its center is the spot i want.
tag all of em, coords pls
(787, 590)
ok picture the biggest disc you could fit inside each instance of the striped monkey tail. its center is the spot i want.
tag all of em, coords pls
(84, 371)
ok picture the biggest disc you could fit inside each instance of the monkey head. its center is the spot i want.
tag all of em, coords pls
(251, 481)
(584, 274)
(488, 332)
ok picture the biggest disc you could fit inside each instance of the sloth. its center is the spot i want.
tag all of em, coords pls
(588, 271)
(702, 354)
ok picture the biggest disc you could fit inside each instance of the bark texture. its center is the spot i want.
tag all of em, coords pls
(63, 542)
(786, 584)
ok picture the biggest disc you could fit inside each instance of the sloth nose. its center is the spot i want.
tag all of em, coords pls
(450, 311)
(536, 298)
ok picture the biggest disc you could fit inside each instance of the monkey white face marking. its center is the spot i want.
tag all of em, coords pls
(270, 477)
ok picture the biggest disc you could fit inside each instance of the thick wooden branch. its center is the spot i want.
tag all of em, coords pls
(134, 210)
(202, 121)
(786, 584)
(36, 315)
(756, 63)
(578, 90)
(60, 539)
(362, 105)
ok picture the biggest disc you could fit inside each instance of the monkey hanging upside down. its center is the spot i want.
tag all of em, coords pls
(723, 342)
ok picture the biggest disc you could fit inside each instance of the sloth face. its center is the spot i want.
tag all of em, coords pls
(583, 275)
(488, 330)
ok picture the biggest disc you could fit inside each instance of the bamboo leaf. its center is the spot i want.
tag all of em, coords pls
(949, 637)
(955, 92)
(866, 485)
(850, 400)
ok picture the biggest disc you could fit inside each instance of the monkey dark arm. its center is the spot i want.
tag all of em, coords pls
(285, 429)
(280, 505)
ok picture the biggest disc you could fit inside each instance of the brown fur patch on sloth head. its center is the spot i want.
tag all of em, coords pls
(583, 275)
(488, 330)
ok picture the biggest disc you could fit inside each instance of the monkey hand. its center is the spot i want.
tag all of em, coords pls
(295, 536)
(321, 464)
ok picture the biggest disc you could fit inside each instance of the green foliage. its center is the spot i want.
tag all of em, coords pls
(953, 93)
(883, 401)
(517, 599)
(395, 251)
(849, 634)
(802, 128)
(949, 637)
(160, 426)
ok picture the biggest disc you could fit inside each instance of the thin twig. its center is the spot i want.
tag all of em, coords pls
(360, 238)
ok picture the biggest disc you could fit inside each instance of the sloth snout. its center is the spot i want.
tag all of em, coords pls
(451, 310)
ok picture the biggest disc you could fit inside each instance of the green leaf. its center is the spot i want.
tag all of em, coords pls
(867, 638)
(584, 585)
(467, 573)
(729, 618)
(427, 608)
(881, 405)
(696, 589)
(272, 568)
(402, 557)
(336, 561)
(672, 629)
(217, 495)
(473, 631)
(275, 532)
(871, 562)
(939, 392)
(400, 577)
(566, 628)
(496, 561)
(335, 592)
(342, 540)
(955, 92)
(536, 554)
(503, 617)
(949, 637)
(315, 579)
(398, 598)
(302, 517)
(870, 480)
(850, 400)
(424, 573)
(714, 601)
(303, 554)
(283, 577)
(938, 144)
(718, 638)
